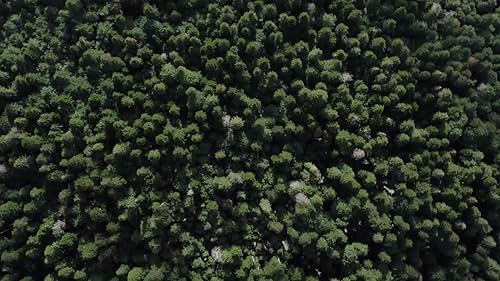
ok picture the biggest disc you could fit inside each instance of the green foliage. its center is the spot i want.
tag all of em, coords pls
(135, 274)
(249, 140)
(88, 250)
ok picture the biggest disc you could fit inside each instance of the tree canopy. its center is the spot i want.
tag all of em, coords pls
(255, 140)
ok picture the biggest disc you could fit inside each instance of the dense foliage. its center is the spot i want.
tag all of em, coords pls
(249, 140)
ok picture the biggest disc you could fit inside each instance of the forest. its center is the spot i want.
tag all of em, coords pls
(261, 140)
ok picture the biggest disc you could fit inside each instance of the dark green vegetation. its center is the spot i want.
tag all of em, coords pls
(249, 140)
